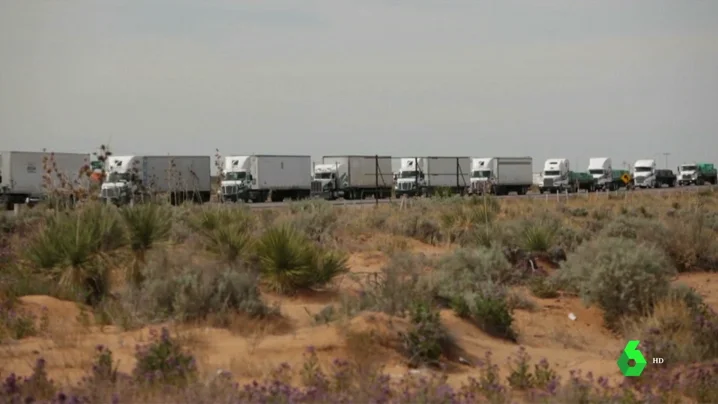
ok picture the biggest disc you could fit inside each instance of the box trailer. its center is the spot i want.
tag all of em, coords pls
(260, 176)
(135, 178)
(429, 175)
(352, 177)
(23, 174)
(501, 175)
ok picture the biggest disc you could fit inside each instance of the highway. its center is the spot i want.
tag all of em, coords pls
(369, 202)
(548, 197)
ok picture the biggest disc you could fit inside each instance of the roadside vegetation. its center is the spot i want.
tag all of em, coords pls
(151, 268)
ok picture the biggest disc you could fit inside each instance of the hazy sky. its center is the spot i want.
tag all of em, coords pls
(624, 79)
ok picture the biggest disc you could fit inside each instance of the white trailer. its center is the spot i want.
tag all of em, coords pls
(501, 175)
(427, 175)
(352, 177)
(260, 176)
(23, 175)
(136, 177)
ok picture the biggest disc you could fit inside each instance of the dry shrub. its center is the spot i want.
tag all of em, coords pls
(182, 289)
(400, 284)
(623, 277)
(680, 329)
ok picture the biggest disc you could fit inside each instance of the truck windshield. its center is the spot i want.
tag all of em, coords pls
(323, 176)
(688, 168)
(118, 177)
(643, 169)
(597, 171)
(552, 173)
(235, 175)
(481, 174)
(408, 174)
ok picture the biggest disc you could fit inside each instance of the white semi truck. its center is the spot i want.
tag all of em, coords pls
(556, 176)
(352, 177)
(601, 170)
(260, 176)
(23, 176)
(428, 175)
(134, 178)
(501, 175)
(646, 175)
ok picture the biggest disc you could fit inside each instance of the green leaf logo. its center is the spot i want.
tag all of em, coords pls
(631, 352)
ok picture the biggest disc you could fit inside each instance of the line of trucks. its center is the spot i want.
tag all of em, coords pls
(261, 177)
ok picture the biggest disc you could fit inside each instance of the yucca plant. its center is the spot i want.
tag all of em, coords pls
(328, 265)
(539, 236)
(289, 261)
(214, 217)
(231, 241)
(75, 246)
(146, 224)
(225, 232)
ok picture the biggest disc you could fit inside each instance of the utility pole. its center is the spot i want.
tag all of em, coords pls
(665, 155)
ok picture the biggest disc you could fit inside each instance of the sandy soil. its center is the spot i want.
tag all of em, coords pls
(253, 349)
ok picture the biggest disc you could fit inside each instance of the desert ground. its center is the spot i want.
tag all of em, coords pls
(433, 300)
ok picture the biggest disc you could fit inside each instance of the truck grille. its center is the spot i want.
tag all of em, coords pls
(109, 193)
(230, 190)
(317, 186)
(405, 186)
(640, 180)
(687, 177)
(548, 182)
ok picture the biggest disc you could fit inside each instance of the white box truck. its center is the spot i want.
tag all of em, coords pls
(429, 175)
(501, 175)
(22, 174)
(260, 176)
(352, 177)
(134, 178)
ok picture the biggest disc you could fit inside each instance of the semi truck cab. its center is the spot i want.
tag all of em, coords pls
(237, 179)
(555, 175)
(644, 173)
(120, 184)
(410, 178)
(328, 181)
(482, 174)
(601, 171)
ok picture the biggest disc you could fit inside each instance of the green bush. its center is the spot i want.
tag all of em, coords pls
(623, 277)
(399, 285)
(636, 228)
(289, 261)
(489, 309)
(465, 268)
(317, 219)
(74, 247)
(146, 225)
(187, 291)
(544, 288)
(427, 338)
(164, 361)
(226, 232)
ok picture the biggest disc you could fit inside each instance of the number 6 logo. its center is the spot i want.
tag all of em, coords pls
(631, 352)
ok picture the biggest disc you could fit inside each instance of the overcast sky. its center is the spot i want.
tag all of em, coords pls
(625, 79)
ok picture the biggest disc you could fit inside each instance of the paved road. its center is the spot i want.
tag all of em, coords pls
(370, 202)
